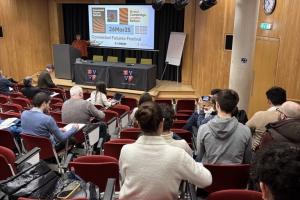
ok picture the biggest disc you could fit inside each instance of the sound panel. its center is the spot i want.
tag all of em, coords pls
(228, 41)
(1, 32)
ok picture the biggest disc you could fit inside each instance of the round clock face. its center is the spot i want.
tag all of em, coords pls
(269, 6)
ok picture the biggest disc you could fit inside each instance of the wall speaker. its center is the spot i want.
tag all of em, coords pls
(228, 41)
(1, 32)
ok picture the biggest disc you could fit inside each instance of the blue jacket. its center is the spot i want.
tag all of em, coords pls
(35, 122)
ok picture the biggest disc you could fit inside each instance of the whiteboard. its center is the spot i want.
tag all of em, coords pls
(175, 48)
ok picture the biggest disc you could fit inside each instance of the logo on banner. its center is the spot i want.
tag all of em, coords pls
(92, 74)
(128, 75)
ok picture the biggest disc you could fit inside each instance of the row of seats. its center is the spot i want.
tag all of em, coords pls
(113, 59)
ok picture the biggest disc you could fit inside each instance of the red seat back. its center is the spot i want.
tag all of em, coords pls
(182, 116)
(130, 133)
(131, 102)
(164, 101)
(86, 95)
(7, 139)
(61, 93)
(7, 157)
(12, 108)
(6, 115)
(109, 115)
(235, 195)
(56, 107)
(113, 147)
(96, 169)
(16, 95)
(228, 176)
(3, 99)
(120, 109)
(43, 143)
(56, 115)
(185, 104)
(184, 134)
(179, 124)
(24, 102)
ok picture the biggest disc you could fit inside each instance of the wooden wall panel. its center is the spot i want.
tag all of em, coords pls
(211, 62)
(25, 48)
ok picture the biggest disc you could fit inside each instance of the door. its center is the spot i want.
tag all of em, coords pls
(265, 65)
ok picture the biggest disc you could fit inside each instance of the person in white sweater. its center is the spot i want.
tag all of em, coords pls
(98, 97)
(168, 115)
(152, 169)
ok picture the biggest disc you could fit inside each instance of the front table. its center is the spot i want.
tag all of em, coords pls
(116, 75)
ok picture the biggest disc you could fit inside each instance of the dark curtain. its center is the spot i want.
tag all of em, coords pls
(167, 20)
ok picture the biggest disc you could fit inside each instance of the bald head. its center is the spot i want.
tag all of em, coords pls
(290, 109)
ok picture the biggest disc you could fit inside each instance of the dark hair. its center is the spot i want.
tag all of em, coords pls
(228, 100)
(276, 95)
(168, 115)
(145, 97)
(27, 82)
(40, 98)
(101, 87)
(215, 91)
(278, 165)
(149, 116)
(50, 66)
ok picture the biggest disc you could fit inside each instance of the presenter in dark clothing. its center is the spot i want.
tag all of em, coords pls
(45, 80)
(5, 84)
(29, 91)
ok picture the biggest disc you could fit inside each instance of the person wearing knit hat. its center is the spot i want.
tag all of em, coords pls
(287, 129)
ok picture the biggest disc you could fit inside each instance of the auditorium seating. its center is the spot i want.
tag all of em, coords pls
(97, 58)
(24, 102)
(235, 195)
(61, 93)
(16, 94)
(4, 99)
(7, 159)
(56, 107)
(112, 59)
(86, 95)
(130, 60)
(130, 133)
(6, 115)
(228, 177)
(179, 124)
(184, 134)
(11, 107)
(111, 118)
(131, 102)
(164, 101)
(56, 100)
(113, 147)
(56, 115)
(8, 140)
(146, 61)
(123, 113)
(96, 169)
(185, 106)
(182, 116)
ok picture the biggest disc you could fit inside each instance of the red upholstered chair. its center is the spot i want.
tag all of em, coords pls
(68, 96)
(61, 93)
(8, 140)
(185, 106)
(123, 112)
(130, 133)
(113, 147)
(164, 101)
(111, 118)
(184, 134)
(131, 102)
(19, 86)
(56, 100)
(56, 115)
(6, 115)
(4, 99)
(235, 195)
(228, 177)
(86, 95)
(12, 107)
(179, 124)
(56, 107)
(7, 160)
(96, 169)
(24, 102)
(182, 116)
(16, 95)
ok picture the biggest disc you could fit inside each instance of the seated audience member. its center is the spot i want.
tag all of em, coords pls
(98, 97)
(287, 129)
(45, 80)
(150, 168)
(78, 110)
(276, 96)
(276, 169)
(205, 113)
(28, 90)
(223, 140)
(145, 97)
(5, 84)
(36, 122)
(168, 115)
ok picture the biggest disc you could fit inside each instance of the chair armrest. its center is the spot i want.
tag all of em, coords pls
(21, 160)
(110, 189)
(67, 160)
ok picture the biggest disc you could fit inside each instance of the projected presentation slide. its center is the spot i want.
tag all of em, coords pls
(122, 26)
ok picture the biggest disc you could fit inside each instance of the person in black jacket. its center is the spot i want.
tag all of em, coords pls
(5, 84)
(45, 80)
(29, 91)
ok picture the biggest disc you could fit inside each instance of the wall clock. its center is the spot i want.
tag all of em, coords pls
(269, 6)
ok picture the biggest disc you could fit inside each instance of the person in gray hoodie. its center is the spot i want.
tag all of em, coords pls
(223, 140)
